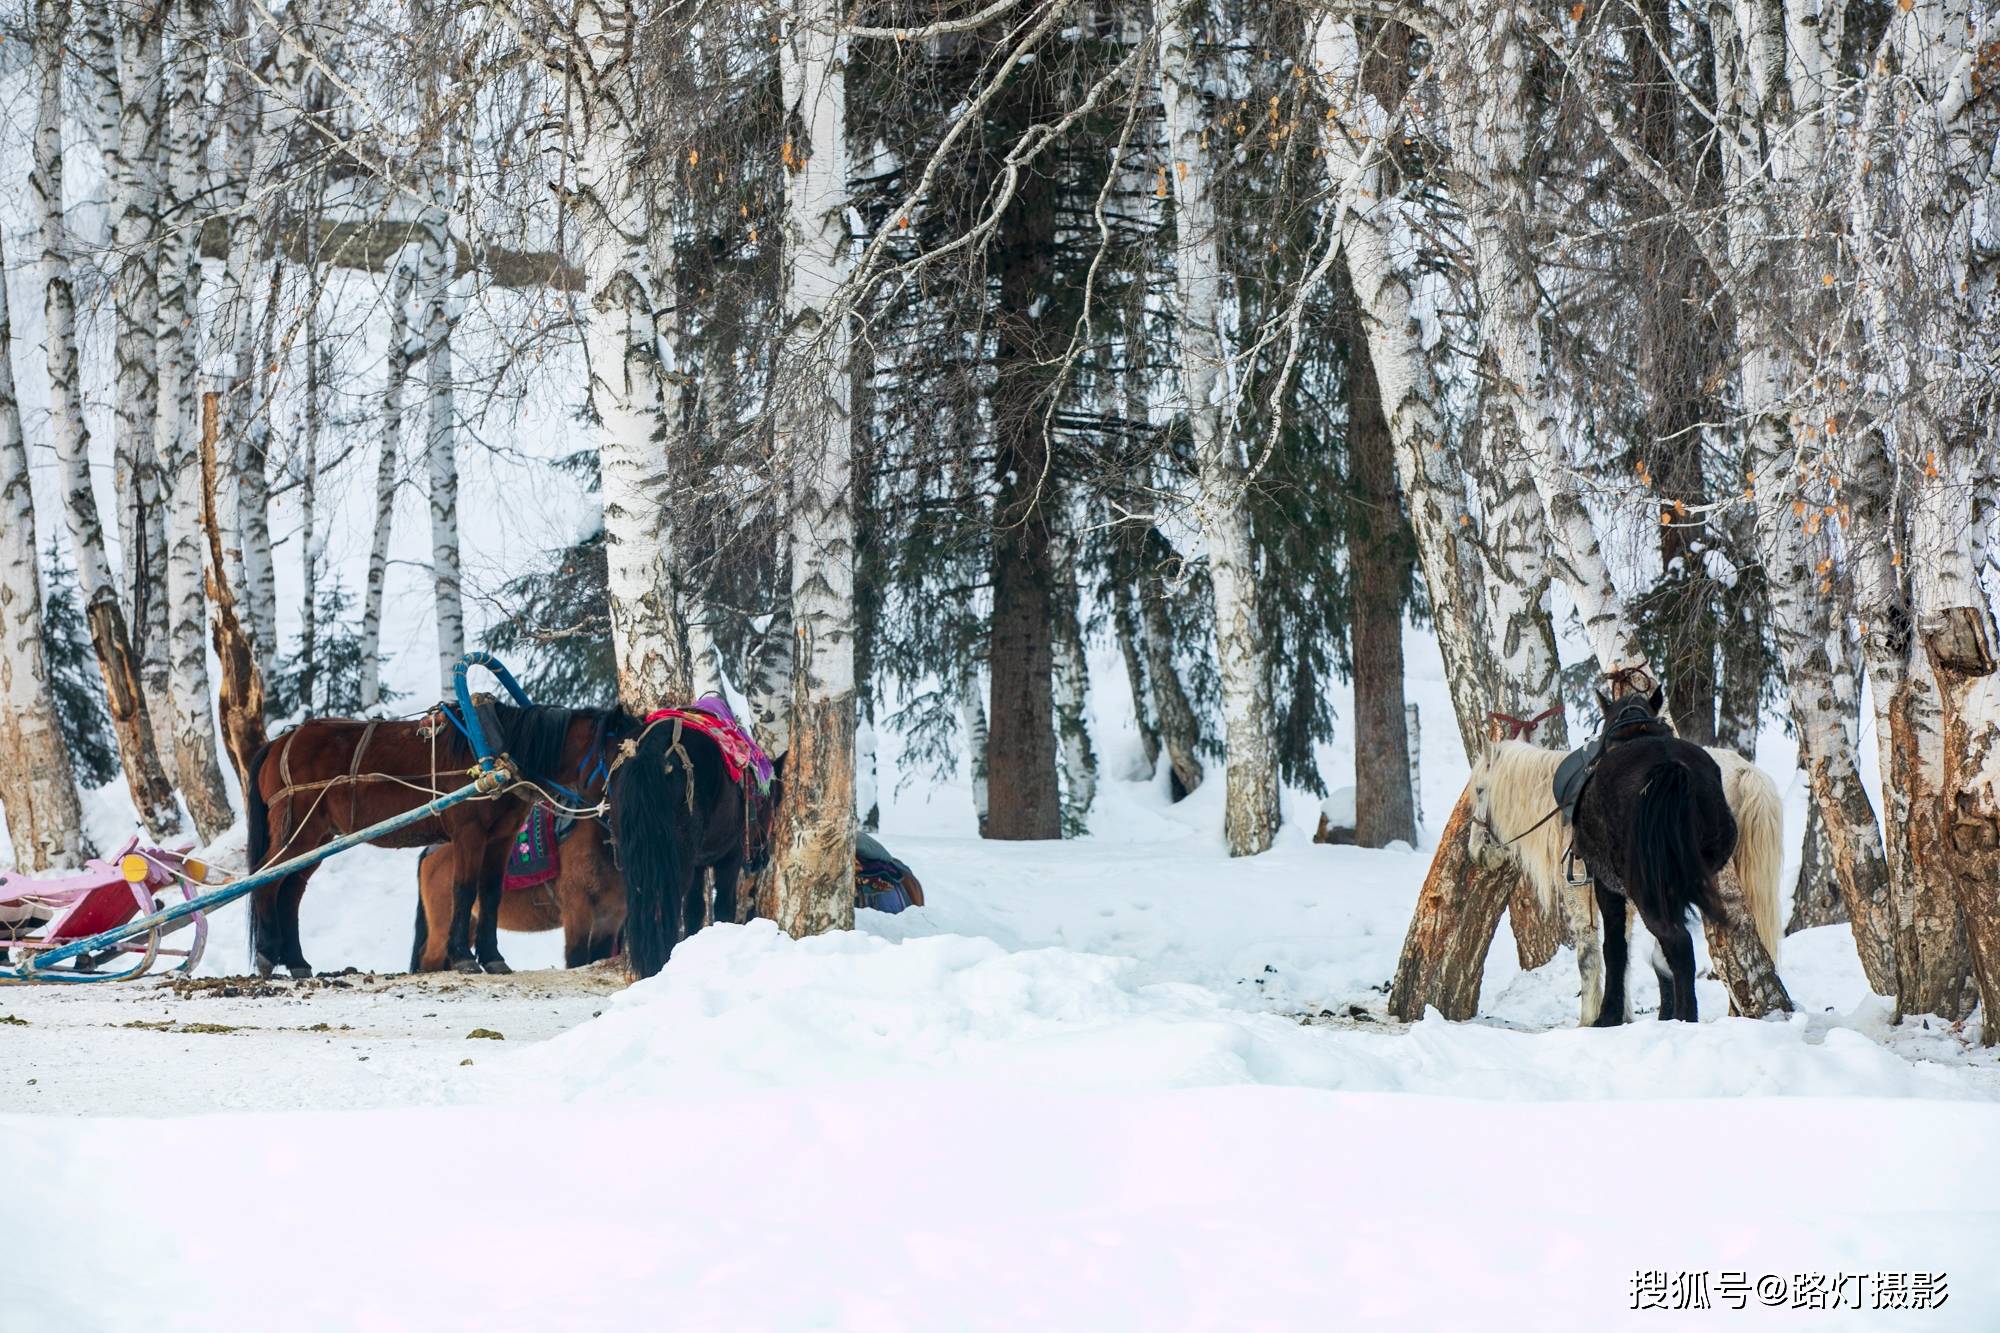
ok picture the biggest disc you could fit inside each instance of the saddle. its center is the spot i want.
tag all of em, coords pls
(1573, 774)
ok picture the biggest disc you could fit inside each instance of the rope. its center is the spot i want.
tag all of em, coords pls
(1522, 728)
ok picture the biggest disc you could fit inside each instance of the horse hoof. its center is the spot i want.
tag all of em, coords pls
(299, 970)
(265, 967)
(497, 966)
(469, 966)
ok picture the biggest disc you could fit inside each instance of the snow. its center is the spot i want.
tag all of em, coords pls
(1118, 1082)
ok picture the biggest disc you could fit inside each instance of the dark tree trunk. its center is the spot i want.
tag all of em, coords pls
(1380, 557)
(1023, 800)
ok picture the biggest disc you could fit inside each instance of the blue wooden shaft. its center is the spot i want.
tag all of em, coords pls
(229, 893)
(475, 732)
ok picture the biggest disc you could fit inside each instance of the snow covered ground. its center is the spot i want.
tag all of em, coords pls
(1119, 1083)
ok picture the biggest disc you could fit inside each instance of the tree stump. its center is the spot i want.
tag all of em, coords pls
(1538, 933)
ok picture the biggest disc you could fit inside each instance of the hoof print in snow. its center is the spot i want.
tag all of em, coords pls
(485, 1034)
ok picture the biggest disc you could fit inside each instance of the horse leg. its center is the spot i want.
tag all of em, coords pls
(579, 921)
(694, 906)
(292, 892)
(728, 871)
(486, 939)
(1611, 906)
(468, 848)
(1678, 946)
(1579, 906)
(266, 935)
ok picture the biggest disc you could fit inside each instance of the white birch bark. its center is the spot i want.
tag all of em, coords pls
(1250, 805)
(396, 375)
(623, 340)
(1490, 99)
(812, 884)
(1375, 241)
(192, 718)
(253, 484)
(38, 800)
(441, 310)
(152, 795)
(972, 723)
(1071, 688)
(133, 162)
(1756, 161)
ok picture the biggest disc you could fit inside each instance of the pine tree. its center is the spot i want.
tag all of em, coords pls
(76, 682)
(332, 688)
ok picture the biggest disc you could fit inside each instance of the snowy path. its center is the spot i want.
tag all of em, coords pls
(1076, 1092)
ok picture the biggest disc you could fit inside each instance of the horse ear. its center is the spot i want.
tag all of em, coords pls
(1657, 699)
(1604, 704)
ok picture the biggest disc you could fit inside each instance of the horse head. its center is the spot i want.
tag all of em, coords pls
(1630, 716)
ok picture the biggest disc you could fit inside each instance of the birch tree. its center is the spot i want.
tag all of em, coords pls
(152, 795)
(193, 718)
(38, 800)
(812, 881)
(396, 375)
(441, 312)
(1250, 805)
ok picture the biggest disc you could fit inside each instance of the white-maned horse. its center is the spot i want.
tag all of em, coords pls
(1513, 785)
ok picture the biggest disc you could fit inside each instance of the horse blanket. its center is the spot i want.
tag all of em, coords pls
(712, 716)
(537, 855)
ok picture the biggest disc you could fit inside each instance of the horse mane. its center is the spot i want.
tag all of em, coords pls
(1520, 789)
(533, 738)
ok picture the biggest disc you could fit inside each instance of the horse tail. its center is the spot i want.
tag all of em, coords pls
(649, 794)
(256, 812)
(1760, 850)
(423, 931)
(1663, 862)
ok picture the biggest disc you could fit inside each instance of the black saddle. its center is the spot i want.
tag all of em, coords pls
(1573, 773)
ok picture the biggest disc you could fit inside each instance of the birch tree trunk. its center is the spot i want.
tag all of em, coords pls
(38, 801)
(133, 163)
(1071, 689)
(434, 279)
(1125, 621)
(623, 343)
(1444, 952)
(1207, 352)
(1180, 730)
(972, 721)
(193, 717)
(1354, 139)
(812, 880)
(396, 373)
(253, 487)
(152, 795)
(1491, 100)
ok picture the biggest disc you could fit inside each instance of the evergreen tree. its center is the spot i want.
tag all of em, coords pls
(332, 688)
(73, 673)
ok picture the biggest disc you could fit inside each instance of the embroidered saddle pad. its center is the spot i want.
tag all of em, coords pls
(537, 855)
(712, 716)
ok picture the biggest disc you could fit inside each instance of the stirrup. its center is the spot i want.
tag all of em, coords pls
(1570, 875)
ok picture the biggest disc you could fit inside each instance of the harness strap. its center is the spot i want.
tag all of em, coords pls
(354, 770)
(1532, 827)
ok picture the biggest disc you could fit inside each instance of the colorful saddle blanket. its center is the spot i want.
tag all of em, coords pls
(537, 855)
(711, 715)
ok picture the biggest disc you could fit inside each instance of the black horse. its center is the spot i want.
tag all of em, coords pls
(675, 813)
(1654, 827)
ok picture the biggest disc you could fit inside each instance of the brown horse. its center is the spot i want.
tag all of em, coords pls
(328, 777)
(586, 898)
